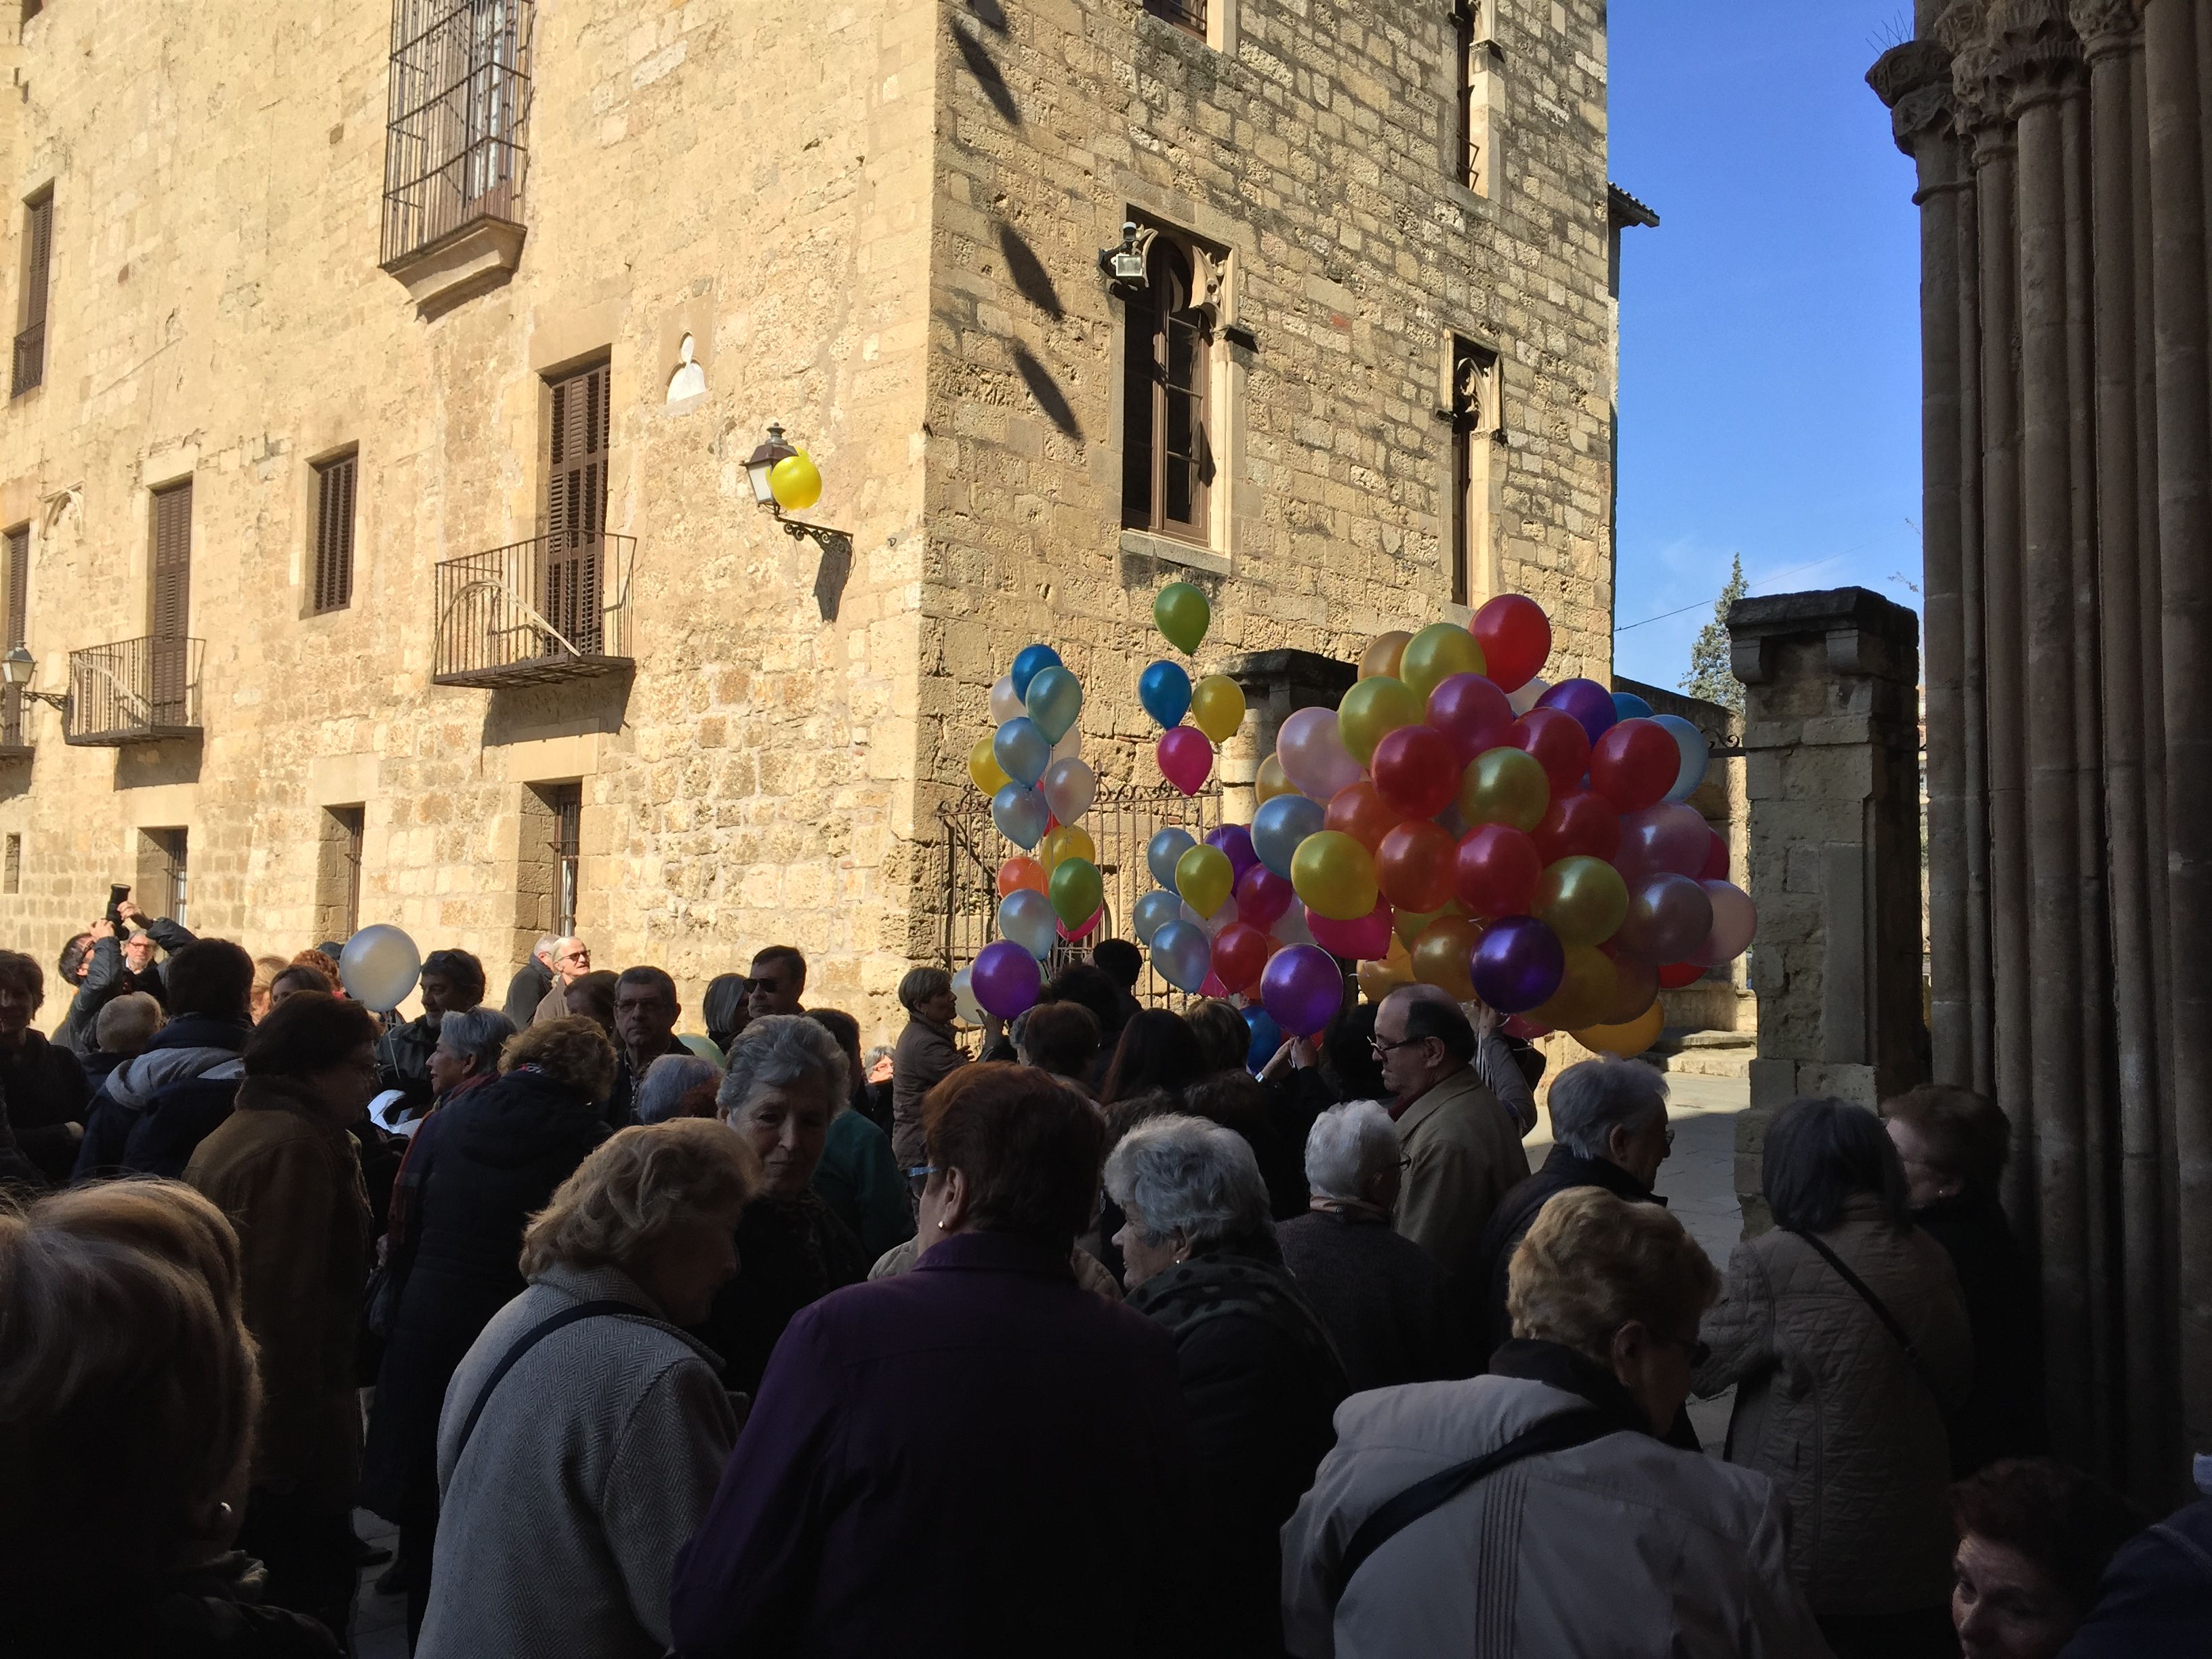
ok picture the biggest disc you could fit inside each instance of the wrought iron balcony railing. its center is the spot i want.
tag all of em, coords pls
(535, 611)
(30, 365)
(14, 723)
(134, 691)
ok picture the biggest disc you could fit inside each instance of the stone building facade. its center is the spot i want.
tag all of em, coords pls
(351, 273)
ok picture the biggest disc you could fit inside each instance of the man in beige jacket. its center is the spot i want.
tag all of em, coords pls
(1461, 1148)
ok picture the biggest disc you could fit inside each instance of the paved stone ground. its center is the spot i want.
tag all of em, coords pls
(1699, 1181)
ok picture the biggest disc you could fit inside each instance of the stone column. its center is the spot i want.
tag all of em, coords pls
(1832, 749)
(1914, 80)
(1276, 684)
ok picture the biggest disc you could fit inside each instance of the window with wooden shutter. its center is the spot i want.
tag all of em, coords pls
(572, 593)
(18, 578)
(1167, 458)
(169, 606)
(30, 365)
(334, 512)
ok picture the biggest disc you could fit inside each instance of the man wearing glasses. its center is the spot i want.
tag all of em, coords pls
(1461, 1152)
(779, 975)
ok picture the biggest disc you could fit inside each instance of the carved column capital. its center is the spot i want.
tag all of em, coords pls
(2105, 26)
(1978, 86)
(2038, 55)
(1914, 80)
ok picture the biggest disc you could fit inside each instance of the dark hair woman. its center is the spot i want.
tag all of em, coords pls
(1844, 1335)
(832, 1531)
(2035, 1537)
(723, 1008)
(1157, 1050)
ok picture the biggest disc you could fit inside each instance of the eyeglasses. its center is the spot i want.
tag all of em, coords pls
(1698, 1353)
(917, 1178)
(1382, 1047)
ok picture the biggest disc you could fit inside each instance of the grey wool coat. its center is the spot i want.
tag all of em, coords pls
(597, 1458)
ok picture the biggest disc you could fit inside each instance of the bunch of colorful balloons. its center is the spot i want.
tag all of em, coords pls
(1215, 704)
(1457, 820)
(1032, 770)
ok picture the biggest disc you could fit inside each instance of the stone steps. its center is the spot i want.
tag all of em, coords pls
(1704, 1054)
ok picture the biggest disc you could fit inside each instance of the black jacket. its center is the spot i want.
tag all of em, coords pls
(43, 1092)
(106, 979)
(792, 1252)
(210, 1612)
(2156, 1599)
(500, 1154)
(1563, 1171)
(525, 991)
(403, 1062)
(2003, 1413)
(191, 1046)
(1381, 1295)
(1261, 1382)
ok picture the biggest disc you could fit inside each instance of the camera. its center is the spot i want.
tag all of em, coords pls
(116, 895)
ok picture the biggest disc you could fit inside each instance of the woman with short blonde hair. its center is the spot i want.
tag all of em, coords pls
(1587, 1271)
(583, 1435)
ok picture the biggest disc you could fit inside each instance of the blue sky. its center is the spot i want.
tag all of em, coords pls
(1769, 376)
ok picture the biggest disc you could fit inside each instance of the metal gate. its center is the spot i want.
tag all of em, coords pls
(1120, 821)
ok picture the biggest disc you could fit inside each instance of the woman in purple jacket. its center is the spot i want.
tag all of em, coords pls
(959, 1460)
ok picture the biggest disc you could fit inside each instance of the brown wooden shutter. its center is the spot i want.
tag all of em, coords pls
(18, 584)
(334, 512)
(171, 607)
(30, 357)
(576, 508)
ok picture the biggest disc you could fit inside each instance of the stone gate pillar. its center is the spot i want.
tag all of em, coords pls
(1832, 742)
(1276, 684)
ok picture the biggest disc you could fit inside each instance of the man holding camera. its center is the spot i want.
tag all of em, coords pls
(114, 957)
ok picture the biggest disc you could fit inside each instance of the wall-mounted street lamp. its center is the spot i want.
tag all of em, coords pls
(17, 671)
(1125, 265)
(785, 479)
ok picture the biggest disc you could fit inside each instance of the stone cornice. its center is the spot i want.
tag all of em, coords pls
(2105, 26)
(1914, 80)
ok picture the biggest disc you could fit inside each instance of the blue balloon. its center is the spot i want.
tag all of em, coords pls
(1055, 698)
(1630, 707)
(1029, 662)
(1155, 911)
(1267, 1036)
(1164, 690)
(1697, 754)
(1183, 954)
(1021, 815)
(1165, 851)
(1023, 750)
(1280, 825)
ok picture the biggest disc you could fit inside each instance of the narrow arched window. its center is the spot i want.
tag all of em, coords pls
(1167, 462)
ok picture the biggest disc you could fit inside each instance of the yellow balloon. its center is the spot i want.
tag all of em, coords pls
(984, 769)
(1334, 875)
(1382, 655)
(1587, 989)
(1270, 782)
(1435, 654)
(1217, 707)
(1582, 900)
(1068, 840)
(795, 482)
(1443, 955)
(1410, 925)
(1630, 1039)
(1504, 786)
(1378, 979)
(1374, 708)
(1205, 878)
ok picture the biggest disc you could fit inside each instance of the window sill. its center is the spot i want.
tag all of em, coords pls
(1166, 549)
(1475, 204)
(473, 260)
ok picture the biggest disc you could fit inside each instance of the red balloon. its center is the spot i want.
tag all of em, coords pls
(1212, 987)
(1675, 975)
(1497, 868)
(1527, 1030)
(1417, 770)
(1240, 956)
(1415, 865)
(1470, 710)
(1367, 940)
(1577, 824)
(1634, 763)
(1360, 813)
(1263, 896)
(1515, 638)
(1560, 745)
(1715, 866)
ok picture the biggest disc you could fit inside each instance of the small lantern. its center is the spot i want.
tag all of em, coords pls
(18, 669)
(762, 462)
(1124, 265)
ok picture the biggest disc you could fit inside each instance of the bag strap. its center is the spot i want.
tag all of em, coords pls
(530, 1339)
(1554, 1433)
(1880, 1308)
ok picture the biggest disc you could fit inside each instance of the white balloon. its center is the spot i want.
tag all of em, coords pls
(1214, 923)
(1069, 746)
(379, 966)
(1523, 700)
(1291, 926)
(963, 998)
(1005, 705)
(1069, 789)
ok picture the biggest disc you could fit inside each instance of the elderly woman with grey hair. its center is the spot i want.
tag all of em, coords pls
(786, 1081)
(1609, 1130)
(1381, 1295)
(1259, 1376)
(662, 1092)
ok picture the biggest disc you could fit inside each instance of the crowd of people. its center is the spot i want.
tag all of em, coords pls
(1116, 1338)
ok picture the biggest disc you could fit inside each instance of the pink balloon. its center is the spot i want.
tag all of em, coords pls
(1473, 713)
(1072, 934)
(1314, 757)
(1186, 757)
(1367, 940)
(1668, 839)
(1736, 918)
(1263, 896)
(1213, 986)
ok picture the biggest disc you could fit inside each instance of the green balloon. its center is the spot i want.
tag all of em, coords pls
(1077, 890)
(1183, 616)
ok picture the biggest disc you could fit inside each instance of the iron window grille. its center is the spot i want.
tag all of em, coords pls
(459, 107)
(1189, 14)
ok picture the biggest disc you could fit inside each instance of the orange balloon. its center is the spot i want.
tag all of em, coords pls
(1630, 1039)
(1383, 655)
(1412, 924)
(1378, 979)
(1417, 866)
(1020, 871)
(1586, 992)
(1358, 813)
(1440, 955)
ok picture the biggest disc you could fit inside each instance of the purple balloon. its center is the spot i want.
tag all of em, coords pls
(1301, 989)
(1518, 965)
(1590, 703)
(1005, 978)
(1236, 840)
(1669, 838)
(1668, 918)
(1263, 896)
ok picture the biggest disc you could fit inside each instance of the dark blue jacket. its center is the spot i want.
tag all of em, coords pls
(2156, 1599)
(189, 1047)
